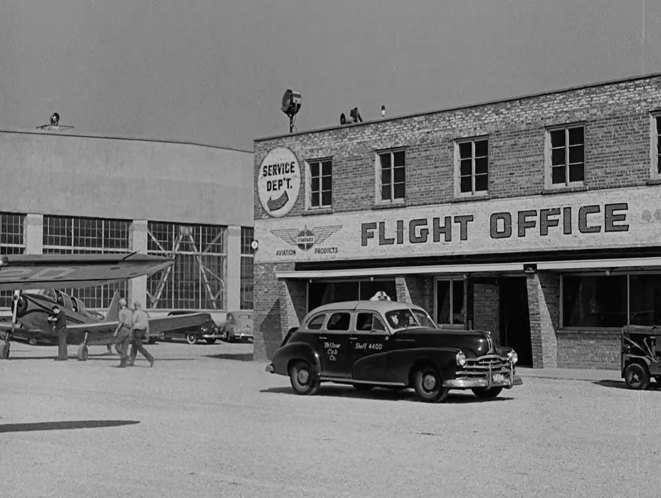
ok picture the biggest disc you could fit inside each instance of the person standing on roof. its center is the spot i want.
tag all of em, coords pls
(140, 333)
(123, 332)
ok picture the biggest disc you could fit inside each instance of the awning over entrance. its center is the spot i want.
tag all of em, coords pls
(611, 264)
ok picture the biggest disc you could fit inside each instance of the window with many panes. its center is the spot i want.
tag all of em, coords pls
(321, 183)
(247, 274)
(472, 160)
(12, 241)
(197, 278)
(566, 156)
(656, 145)
(77, 235)
(391, 174)
(449, 305)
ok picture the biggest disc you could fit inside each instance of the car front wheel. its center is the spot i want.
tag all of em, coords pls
(302, 378)
(191, 338)
(636, 376)
(428, 385)
(484, 393)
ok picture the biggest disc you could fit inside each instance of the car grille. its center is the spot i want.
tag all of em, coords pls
(482, 365)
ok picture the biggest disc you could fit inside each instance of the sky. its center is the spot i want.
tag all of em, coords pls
(214, 71)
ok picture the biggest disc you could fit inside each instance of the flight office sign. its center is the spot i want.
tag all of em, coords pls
(279, 181)
(587, 220)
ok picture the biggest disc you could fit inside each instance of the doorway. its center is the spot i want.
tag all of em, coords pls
(515, 318)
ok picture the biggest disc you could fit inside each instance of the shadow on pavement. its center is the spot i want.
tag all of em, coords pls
(237, 357)
(385, 394)
(620, 384)
(64, 425)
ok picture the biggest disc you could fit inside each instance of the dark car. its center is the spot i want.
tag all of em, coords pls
(207, 331)
(238, 326)
(640, 355)
(391, 344)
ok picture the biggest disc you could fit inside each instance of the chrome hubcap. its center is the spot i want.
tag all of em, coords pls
(303, 376)
(429, 382)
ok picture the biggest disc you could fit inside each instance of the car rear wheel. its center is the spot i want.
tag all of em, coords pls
(302, 378)
(82, 352)
(484, 393)
(636, 376)
(428, 385)
(191, 338)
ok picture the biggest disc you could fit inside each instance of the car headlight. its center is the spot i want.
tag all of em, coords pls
(460, 358)
(513, 357)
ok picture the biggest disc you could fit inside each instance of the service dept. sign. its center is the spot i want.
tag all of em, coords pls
(279, 181)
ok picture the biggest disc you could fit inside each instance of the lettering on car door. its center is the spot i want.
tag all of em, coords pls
(333, 344)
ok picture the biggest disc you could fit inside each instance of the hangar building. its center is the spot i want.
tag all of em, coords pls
(537, 217)
(64, 193)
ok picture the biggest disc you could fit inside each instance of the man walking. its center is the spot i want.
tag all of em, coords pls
(140, 333)
(58, 321)
(123, 332)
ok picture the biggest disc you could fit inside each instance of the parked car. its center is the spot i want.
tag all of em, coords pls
(390, 344)
(207, 331)
(640, 355)
(238, 326)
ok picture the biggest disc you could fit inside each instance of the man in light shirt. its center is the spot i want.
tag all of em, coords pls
(123, 332)
(140, 333)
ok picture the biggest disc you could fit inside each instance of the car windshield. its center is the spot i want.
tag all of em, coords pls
(424, 319)
(402, 319)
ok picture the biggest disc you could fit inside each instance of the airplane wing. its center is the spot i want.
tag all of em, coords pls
(39, 271)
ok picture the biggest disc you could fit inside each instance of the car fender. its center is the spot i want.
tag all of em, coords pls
(294, 351)
(397, 366)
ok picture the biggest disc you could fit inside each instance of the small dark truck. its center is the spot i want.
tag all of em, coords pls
(640, 355)
(395, 345)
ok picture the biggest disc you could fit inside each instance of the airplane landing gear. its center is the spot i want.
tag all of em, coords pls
(82, 352)
(82, 349)
(4, 351)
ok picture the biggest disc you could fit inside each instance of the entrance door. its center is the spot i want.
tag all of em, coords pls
(334, 345)
(514, 318)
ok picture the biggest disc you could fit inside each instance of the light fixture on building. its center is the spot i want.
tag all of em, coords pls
(254, 245)
(529, 268)
(291, 103)
(383, 111)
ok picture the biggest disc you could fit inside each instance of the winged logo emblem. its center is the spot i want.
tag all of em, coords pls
(306, 238)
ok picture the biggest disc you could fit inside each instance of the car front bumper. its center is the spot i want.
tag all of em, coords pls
(495, 380)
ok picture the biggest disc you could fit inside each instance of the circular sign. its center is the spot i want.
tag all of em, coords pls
(279, 181)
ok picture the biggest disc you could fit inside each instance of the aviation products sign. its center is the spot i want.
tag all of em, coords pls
(279, 181)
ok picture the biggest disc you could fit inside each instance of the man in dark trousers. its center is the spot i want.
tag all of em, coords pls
(58, 321)
(140, 333)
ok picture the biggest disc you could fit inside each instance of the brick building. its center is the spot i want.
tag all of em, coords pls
(538, 218)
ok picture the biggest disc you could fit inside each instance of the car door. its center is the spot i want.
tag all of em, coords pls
(333, 345)
(368, 345)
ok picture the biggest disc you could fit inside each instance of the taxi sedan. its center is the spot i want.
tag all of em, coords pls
(391, 344)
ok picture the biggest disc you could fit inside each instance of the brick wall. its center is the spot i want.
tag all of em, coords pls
(486, 308)
(616, 117)
(589, 349)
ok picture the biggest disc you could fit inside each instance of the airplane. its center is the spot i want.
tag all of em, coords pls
(29, 320)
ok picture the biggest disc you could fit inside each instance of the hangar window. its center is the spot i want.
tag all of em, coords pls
(598, 300)
(197, 278)
(391, 176)
(449, 302)
(320, 183)
(472, 167)
(656, 146)
(11, 242)
(77, 235)
(565, 156)
(247, 260)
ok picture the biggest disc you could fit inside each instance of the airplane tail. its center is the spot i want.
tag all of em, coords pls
(113, 310)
